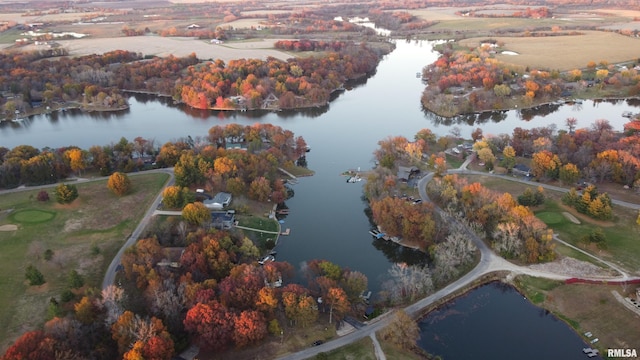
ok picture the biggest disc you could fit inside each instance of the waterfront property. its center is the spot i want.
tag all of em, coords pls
(223, 219)
(219, 202)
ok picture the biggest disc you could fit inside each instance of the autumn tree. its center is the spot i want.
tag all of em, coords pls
(403, 331)
(337, 300)
(32, 345)
(211, 325)
(509, 157)
(77, 159)
(569, 174)
(66, 193)
(545, 164)
(249, 327)
(119, 183)
(196, 214)
(86, 311)
(175, 197)
(259, 189)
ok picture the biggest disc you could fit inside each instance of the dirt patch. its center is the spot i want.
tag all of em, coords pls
(9, 227)
(72, 225)
(571, 218)
(574, 267)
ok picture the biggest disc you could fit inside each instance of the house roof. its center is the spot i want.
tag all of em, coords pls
(404, 172)
(222, 198)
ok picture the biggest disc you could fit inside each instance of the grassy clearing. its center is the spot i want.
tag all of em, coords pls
(454, 162)
(96, 219)
(258, 222)
(622, 234)
(361, 349)
(593, 308)
(565, 52)
(393, 352)
(535, 289)
(299, 171)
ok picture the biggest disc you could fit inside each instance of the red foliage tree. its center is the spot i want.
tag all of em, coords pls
(250, 327)
(32, 345)
(211, 324)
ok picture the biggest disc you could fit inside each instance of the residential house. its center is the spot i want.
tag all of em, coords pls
(223, 220)
(219, 202)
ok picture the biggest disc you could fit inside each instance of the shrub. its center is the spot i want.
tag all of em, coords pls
(67, 296)
(65, 193)
(48, 254)
(43, 196)
(34, 276)
(75, 280)
(95, 250)
(119, 183)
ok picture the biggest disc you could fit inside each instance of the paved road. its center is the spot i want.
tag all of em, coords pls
(489, 262)
(110, 275)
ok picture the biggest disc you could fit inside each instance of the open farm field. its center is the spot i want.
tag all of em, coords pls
(491, 24)
(164, 46)
(83, 236)
(565, 52)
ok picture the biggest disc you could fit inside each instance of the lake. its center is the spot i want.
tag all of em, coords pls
(496, 322)
(327, 215)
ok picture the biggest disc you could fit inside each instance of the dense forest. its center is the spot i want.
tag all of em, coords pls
(44, 78)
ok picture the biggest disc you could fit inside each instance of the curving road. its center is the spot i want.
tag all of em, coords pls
(489, 263)
(110, 275)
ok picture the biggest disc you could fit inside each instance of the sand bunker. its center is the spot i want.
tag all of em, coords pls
(9, 227)
(571, 218)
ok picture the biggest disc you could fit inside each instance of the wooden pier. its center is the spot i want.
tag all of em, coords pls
(286, 232)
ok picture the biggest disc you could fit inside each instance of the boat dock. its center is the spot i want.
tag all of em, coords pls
(286, 232)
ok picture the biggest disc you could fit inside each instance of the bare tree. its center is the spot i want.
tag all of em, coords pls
(506, 240)
(452, 255)
(408, 283)
(112, 300)
(168, 302)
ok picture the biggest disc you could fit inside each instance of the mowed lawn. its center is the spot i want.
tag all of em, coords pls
(83, 235)
(622, 233)
(565, 52)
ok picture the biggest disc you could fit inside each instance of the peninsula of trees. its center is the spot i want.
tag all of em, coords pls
(49, 79)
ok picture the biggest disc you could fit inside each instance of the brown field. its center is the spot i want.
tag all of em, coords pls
(595, 309)
(164, 46)
(566, 52)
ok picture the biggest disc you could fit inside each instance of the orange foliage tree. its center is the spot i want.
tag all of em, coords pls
(119, 183)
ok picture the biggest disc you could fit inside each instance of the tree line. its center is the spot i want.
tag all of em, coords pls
(97, 80)
(203, 161)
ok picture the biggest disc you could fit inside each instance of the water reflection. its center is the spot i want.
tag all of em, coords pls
(518, 329)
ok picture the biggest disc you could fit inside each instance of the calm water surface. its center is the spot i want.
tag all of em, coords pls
(327, 218)
(495, 322)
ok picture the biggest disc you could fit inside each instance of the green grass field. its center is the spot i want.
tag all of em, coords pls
(623, 235)
(96, 219)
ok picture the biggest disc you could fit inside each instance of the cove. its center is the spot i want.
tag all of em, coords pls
(494, 321)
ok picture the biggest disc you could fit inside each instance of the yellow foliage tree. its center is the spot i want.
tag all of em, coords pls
(77, 159)
(119, 183)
